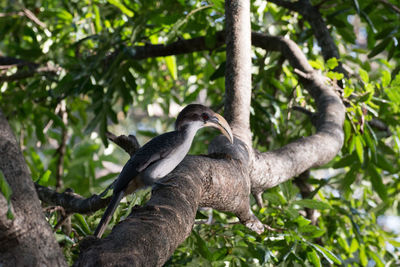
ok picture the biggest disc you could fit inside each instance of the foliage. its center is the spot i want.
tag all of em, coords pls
(92, 43)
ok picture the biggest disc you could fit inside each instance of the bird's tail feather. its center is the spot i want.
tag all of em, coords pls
(108, 214)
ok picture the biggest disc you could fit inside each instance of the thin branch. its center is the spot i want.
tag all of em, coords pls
(11, 61)
(33, 18)
(392, 6)
(20, 75)
(12, 14)
(63, 145)
(305, 190)
(71, 202)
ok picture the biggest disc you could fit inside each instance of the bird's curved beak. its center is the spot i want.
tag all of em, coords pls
(217, 121)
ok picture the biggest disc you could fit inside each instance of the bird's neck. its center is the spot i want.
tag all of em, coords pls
(189, 130)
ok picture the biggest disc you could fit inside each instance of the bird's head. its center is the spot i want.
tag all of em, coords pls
(204, 117)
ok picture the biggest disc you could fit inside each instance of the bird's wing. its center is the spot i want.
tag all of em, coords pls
(157, 148)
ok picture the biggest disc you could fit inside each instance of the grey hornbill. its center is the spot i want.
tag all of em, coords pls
(161, 155)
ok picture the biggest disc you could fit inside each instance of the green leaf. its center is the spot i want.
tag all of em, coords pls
(5, 187)
(39, 128)
(202, 246)
(311, 204)
(219, 72)
(274, 198)
(377, 183)
(301, 221)
(64, 15)
(384, 164)
(82, 223)
(343, 243)
(288, 190)
(359, 147)
(386, 78)
(44, 179)
(350, 177)
(335, 75)
(380, 47)
(316, 64)
(347, 130)
(364, 75)
(219, 5)
(97, 18)
(313, 257)
(354, 245)
(345, 161)
(376, 258)
(121, 6)
(311, 231)
(363, 256)
(332, 63)
(171, 65)
(328, 255)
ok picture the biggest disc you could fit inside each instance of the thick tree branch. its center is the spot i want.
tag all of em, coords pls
(274, 167)
(28, 233)
(238, 68)
(179, 47)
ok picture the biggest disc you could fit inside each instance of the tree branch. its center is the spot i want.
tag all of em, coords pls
(392, 6)
(23, 74)
(29, 232)
(238, 68)
(71, 202)
(274, 167)
(62, 147)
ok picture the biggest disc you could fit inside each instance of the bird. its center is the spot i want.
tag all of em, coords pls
(161, 155)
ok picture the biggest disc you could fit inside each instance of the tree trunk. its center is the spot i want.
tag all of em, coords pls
(27, 239)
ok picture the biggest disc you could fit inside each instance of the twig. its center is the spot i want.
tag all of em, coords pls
(62, 148)
(392, 6)
(33, 18)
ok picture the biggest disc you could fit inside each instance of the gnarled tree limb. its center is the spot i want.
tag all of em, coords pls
(152, 232)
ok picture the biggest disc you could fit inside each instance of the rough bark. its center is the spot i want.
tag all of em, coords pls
(238, 68)
(27, 240)
(274, 167)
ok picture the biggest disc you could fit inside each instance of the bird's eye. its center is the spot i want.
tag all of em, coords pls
(205, 116)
